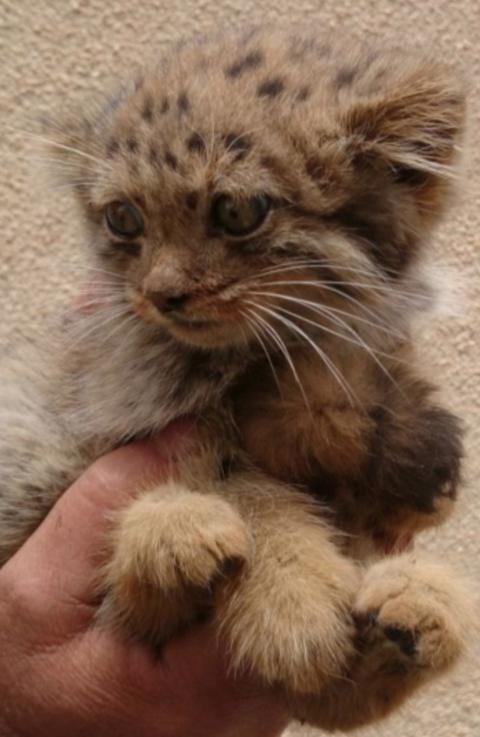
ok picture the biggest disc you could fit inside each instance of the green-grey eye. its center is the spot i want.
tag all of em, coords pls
(124, 219)
(240, 217)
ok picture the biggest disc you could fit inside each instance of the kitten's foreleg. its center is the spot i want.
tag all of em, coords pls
(254, 553)
(287, 616)
(169, 549)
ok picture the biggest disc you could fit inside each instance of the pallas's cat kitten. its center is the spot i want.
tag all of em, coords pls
(257, 208)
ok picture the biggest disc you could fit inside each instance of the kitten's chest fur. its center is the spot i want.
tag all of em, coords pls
(125, 386)
(292, 424)
(128, 386)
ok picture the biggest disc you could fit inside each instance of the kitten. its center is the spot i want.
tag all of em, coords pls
(257, 207)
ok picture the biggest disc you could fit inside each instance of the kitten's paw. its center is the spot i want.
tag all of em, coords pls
(414, 614)
(288, 618)
(169, 551)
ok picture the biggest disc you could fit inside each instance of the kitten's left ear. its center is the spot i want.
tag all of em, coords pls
(414, 124)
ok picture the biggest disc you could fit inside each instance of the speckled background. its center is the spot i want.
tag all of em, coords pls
(55, 50)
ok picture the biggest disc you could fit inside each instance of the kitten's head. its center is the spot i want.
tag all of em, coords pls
(244, 178)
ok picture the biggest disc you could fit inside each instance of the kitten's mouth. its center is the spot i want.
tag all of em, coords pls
(205, 332)
(192, 322)
(195, 329)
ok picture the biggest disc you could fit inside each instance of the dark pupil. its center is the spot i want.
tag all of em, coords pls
(124, 219)
(239, 218)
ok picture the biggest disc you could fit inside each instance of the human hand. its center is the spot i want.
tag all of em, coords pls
(61, 675)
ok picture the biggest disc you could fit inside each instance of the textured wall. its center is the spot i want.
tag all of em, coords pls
(53, 50)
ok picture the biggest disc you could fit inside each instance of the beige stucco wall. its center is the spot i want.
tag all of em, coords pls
(52, 49)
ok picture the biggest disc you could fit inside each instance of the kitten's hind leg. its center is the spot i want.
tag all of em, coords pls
(413, 619)
(169, 550)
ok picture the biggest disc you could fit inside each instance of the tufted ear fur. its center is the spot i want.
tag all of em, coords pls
(413, 124)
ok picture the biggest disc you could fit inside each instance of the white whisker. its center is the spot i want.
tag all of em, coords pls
(363, 285)
(284, 350)
(89, 324)
(353, 399)
(356, 340)
(380, 326)
(78, 152)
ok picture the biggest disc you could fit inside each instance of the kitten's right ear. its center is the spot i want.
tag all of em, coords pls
(414, 124)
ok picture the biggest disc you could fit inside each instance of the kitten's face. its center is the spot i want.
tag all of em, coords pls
(247, 175)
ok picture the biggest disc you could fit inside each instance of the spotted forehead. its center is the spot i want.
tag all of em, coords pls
(208, 97)
(214, 108)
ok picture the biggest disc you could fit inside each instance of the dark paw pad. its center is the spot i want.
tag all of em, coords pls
(404, 639)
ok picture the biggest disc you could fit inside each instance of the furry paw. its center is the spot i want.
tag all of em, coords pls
(170, 549)
(413, 614)
(288, 616)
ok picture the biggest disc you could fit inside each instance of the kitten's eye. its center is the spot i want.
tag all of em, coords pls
(123, 219)
(240, 217)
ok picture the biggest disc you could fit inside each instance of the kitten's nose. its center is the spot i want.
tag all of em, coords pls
(168, 301)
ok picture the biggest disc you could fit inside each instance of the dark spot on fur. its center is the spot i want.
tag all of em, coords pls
(196, 143)
(251, 61)
(315, 168)
(132, 144)
(238, 143)
(147, 110)
(275, 166)
(268, 162)
(271, 88)
(165, 105)
(191, 200)
(183, 102)
(171, 160)
(153, 156)
(113, 147)
(345, 77)
(322, 173)
(303, 93)
(139, 83)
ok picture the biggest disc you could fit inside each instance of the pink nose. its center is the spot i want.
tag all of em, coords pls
(168, 301)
